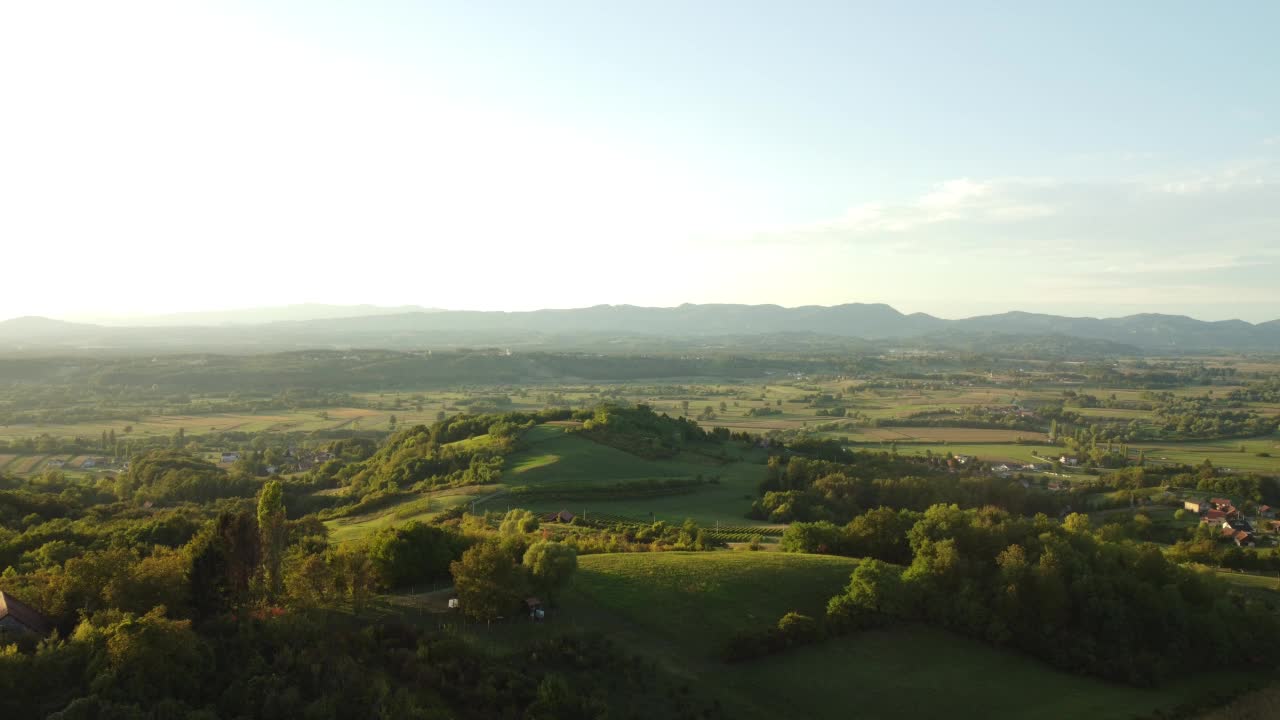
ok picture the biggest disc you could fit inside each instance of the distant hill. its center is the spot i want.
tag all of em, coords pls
(256, 316)
(628, 328)
(33, 328)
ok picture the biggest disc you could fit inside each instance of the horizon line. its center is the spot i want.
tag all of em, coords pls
(412, 308)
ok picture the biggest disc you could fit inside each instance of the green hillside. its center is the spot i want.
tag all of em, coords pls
(699, 600)
(680, 607)
(554, 458)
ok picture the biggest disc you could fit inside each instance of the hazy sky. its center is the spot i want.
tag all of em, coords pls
(953, 157)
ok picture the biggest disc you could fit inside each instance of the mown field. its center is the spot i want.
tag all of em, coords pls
(1223, 453)
(681, 607)
(308, 420)
(556, 457)
(994, 452)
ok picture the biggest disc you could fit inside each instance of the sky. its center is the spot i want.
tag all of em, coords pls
(1080, 158)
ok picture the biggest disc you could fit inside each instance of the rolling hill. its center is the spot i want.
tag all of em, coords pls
(680, 607)
(605, 326)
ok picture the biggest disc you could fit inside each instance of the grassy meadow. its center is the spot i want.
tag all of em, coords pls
(682, 607)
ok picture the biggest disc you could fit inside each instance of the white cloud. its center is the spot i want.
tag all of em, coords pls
(1200, 240)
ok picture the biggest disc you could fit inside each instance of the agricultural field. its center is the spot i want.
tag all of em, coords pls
(992, 452)
(421, 508)
(194, 425)
(681, 608)
(26, 464)
(1223, 453)
(948, 434)
(871, 403)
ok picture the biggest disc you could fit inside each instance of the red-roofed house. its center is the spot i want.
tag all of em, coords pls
(1213, 517)
(1266, 511)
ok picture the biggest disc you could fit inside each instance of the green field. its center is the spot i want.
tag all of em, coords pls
(681, 607)
(422, 508)
(699, 600)
(1223, 453)
(995, 452)
(1250, 580)
(272, 421)
(556, 457)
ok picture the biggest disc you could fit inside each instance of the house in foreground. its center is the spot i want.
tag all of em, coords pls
(18, 618)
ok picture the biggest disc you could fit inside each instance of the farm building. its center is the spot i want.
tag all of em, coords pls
(230, 457)
(563, 516)
(1237, 525)
(1266, 511)
(1242, 538)
(1068, 460)
(19, 618)
(1213, 517)
(1195, 506)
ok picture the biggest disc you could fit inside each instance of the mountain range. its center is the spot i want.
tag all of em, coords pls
(633, 328)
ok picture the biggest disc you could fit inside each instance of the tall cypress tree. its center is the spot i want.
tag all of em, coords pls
(271, 526)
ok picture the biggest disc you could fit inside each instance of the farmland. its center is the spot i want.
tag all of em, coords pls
(875, 411)
(432, 471)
